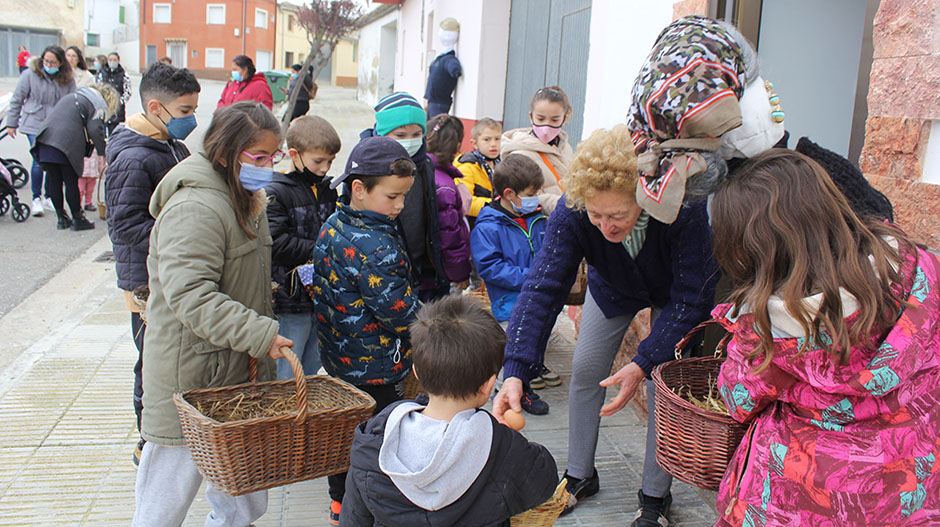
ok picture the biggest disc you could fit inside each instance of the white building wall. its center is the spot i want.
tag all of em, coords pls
(370, 87)
(102, 17)
(622, 33)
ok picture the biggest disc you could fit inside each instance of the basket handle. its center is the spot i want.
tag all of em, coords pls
(299, 379)
(691, 334)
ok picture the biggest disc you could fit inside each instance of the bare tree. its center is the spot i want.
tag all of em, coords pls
(326, 22)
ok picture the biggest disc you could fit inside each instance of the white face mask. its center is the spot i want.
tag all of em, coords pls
(758, 131)
(412, 145)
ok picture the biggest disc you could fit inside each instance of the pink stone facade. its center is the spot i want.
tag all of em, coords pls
(903, 98)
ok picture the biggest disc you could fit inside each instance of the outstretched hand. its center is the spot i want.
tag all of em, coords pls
(509, 396)
(629, 378)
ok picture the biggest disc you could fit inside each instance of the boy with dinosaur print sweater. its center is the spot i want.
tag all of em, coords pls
(361, 280)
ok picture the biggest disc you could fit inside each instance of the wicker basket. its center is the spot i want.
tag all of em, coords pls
(244, 456)
(411, 386)
(692, 444)
(481, 295)
(545, 514)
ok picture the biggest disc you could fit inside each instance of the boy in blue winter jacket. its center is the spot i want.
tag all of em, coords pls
(508, 232)
(362, 282)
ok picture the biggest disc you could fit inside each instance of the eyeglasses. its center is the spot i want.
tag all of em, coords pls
(261, 160)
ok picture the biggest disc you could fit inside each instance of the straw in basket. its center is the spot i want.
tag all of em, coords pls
(247, 455)
(545, 514)
(693, 444)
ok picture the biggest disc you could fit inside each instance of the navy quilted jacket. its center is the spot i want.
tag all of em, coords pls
(364, 298)
(295, 215)
(136, 163)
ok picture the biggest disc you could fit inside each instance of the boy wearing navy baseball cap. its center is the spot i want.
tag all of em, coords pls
(362, 280)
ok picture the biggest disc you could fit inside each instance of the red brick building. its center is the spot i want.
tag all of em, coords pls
(205, 35)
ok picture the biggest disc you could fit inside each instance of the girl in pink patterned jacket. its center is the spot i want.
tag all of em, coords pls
(835, 360)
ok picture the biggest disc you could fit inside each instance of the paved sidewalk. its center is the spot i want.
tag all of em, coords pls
(67, 429)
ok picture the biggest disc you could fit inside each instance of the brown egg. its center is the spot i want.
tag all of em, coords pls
(514, 419)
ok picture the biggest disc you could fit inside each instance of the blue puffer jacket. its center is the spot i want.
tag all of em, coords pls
(295, 215)
(136, 163)
(503, 252)
(364, 298)
(674, 271)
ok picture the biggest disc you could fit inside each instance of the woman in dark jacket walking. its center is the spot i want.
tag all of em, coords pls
(635, 262)
(37, 90)
(73, 128)
(113, 74)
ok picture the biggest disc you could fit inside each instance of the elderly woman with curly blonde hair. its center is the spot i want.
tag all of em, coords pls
(634, 262)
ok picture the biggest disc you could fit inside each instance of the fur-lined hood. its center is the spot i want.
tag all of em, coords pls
(62, 77)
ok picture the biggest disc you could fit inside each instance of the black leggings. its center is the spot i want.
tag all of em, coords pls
(57, 175)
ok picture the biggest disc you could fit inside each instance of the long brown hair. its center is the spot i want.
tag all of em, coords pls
(782, 227)
(233, 130)
(64, 75)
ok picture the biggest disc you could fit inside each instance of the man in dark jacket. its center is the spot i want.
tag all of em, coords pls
(449, 463)
(300, 201)
(139, 154)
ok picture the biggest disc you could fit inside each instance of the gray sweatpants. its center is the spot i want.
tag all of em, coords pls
(598, 342)
(167, 482)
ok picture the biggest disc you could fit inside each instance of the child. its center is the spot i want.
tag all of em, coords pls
(399, 116)
(509, 232)
(88, 179)
(444, 138)
(362, 282)
(209, 310)
(449, 463)
(300, 201)
(139, 154)
(835, 359)
(545, 142)
(478, 164)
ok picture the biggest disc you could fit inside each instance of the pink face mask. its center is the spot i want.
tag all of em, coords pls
(546, 133)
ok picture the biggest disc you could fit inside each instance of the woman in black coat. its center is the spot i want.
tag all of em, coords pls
(73, 127)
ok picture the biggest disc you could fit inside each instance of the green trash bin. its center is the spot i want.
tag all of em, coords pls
(276, 81)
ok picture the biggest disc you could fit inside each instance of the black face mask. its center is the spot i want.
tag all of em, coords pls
(307, 177)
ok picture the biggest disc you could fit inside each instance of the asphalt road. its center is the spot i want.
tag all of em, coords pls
(34, 251)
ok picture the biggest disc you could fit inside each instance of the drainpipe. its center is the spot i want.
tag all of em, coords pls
(244, 22)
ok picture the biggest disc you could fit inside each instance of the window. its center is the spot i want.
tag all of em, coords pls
(162, 14)
(289, 58)
(355, 52)
(290, 22)
(261, 18)
(120, 14)
(92, 39)
(263, 60)
(215, 13)
(215, 58)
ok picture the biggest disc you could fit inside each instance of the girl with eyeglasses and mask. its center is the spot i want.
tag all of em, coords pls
(210, 306)
(544, 142)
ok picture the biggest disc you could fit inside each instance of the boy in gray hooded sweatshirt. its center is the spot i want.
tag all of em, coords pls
(449, 463)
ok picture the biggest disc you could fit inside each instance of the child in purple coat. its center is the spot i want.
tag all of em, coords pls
(445, 133)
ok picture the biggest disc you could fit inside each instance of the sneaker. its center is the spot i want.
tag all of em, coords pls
(335, 508)
(653, 512)
(579, 489)
(37, 207)
(551, 378)
(64, 223)
(533, 404)
(537, 383)
(47, 203)
(138, 450)
(90, 208)
(82, 224)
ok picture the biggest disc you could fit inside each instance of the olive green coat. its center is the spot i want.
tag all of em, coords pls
(210, 294)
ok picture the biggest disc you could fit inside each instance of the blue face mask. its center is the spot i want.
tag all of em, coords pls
(50, 71)
(529, 204)
(411, 145)
(237, 76)
(293, 75)
(255, 178)
(180, 127)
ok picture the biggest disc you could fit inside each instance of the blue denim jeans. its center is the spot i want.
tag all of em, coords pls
(35, 172)
(302, 329)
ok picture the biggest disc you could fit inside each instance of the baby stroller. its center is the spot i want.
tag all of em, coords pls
(9, 201)
(18, 174)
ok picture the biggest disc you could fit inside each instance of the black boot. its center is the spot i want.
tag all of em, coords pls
(82, 224)
(64, 222)
(653, 512)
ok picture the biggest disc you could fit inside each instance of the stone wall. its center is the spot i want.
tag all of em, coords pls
(903, 99)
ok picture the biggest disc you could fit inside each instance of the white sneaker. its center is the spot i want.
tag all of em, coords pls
(47, 203)
(37, 207)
